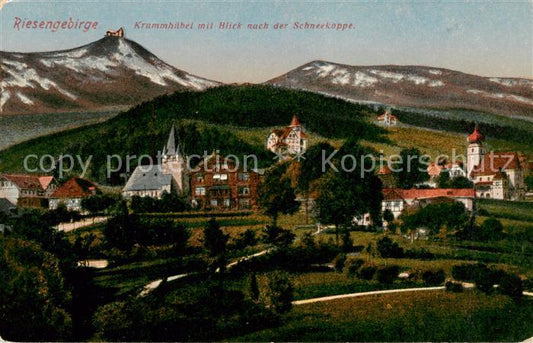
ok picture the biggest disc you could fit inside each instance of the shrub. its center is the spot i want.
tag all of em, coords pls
(339, 261)
(511, 285)
(483, 280)
(434, 277)
(352, 265)
(280, 292)
(422, 254)
(367, 271)
(528, 284)
(455, 287)
(387, 248)
(387, 274)
(465, 272)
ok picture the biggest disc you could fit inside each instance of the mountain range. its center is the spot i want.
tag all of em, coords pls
(414, 86)
(110, 72)
(115, 71)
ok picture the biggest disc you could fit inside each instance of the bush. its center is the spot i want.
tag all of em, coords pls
(339, 261)
(387, 248)
(367, 271)
(483, 280)
(511, 285)
(434, 278)
(422, 254)
(352, 265)
(387, 274)
(528, 284)
(280, 292)
(455, 287)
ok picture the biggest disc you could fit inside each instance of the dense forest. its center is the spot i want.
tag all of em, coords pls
(144, 128)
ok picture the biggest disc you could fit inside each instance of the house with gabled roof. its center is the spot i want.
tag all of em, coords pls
(71, 194)
(27, 190)
(397, 199)
(288, 141)
(387, 119)
(219, 183)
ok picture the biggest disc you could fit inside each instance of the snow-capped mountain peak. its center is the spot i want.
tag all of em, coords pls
(108, 72)
(413, 86)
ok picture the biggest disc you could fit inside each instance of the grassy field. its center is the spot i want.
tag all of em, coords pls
(435, 143)
(427, 316)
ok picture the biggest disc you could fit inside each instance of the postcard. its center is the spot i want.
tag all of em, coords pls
(266, 171)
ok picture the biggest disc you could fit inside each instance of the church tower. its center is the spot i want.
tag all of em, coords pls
(174, 162)
(476, 150)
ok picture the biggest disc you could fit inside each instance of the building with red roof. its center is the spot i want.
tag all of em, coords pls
(288, 141)
(397, 199)
(387, 119)
(27, 190)
(71, 193)
(218, 183)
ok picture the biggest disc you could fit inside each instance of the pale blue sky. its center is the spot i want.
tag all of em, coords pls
(484, 38)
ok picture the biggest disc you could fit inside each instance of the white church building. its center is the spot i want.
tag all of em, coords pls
(155, 180)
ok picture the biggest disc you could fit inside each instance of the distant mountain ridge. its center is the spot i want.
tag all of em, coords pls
(413, 86)
(112, 71)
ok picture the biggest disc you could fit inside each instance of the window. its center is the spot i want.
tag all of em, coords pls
(214, 202)
(220, 177)
(199, 191)
(244, 176)
(244, 203)
(199, 178)
(226, 202)
(244, 190)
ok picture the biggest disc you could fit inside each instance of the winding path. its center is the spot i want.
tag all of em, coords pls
(149, 287)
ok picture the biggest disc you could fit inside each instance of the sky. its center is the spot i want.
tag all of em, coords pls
(479, 37)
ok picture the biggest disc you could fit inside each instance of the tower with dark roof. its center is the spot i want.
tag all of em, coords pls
(174, 162)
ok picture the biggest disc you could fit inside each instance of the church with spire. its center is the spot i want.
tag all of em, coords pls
(170, 175)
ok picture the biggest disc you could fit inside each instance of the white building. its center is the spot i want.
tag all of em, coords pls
(497, 174)
(155, 180)
(397, 199)
(26, 190)
(387, 119)
(291, 140)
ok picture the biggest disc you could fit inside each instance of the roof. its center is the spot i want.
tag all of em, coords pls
(476, 136)
(495, 162)
(29, 181)
(45, 181)
(295, 121)
(434, 169)
(214, 163)
(6, 206)
(382, 116)
(148, 178)
(408, 194)
(385, 170)
(75, 188)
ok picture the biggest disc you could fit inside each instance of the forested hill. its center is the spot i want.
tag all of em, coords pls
(144, 129)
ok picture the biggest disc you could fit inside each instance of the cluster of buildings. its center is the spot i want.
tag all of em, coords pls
(42, 191)
(218, 183)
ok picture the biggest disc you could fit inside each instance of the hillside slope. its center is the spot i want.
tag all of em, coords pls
(107, 73)
(144, 128)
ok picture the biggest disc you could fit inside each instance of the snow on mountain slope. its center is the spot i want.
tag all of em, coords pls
(112, 71)
(413, 86)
